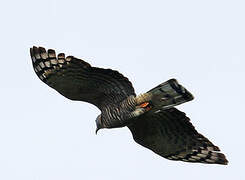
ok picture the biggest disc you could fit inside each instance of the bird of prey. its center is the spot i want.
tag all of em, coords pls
(152, 118)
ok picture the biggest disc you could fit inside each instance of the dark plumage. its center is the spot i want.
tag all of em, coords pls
(151, 117)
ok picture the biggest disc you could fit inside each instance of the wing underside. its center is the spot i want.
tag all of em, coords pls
(170, 134)
(78, 80)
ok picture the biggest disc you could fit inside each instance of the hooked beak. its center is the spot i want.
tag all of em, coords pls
(97, 129)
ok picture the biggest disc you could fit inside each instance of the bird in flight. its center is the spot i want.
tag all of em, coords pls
(152, 118)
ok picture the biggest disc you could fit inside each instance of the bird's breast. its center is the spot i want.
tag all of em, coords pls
(114, 117)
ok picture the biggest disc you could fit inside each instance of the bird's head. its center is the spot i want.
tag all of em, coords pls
(99, 123)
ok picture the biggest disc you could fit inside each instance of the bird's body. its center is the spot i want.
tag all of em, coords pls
(116, 115)
(151, 117)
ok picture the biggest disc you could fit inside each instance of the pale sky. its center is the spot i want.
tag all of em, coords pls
(44, 136)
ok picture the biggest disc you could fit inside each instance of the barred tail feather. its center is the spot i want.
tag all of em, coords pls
(169, 94)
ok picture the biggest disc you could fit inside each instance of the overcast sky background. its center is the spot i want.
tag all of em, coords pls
(44, 136)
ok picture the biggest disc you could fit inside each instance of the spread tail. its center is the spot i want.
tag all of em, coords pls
(169, 94)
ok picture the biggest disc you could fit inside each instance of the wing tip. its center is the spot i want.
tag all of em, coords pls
(40, 62)
(204, 156)
(36, 53)
(222, 159)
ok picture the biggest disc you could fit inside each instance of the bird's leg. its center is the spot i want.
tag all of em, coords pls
(143, 101)
(140, 104)
(145, 104)
(137, 112)
(141, 109)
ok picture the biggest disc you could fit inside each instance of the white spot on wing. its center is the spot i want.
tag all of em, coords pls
(41, 77)
(209, 160)
(68, 58)
(61, 61)
(42, 65)
(202, 155)
(205, 152)
(39, 68)
(210, 148)
(44, 75)
(47, 64)
(214, 158)
(53, 61)
(44, 55)
(196, 157)
(33, 59)
(174, 157)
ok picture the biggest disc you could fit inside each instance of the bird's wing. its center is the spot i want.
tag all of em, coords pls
(78, 80)
(170, 134)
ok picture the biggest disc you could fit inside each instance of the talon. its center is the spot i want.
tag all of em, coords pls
(145, 104)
